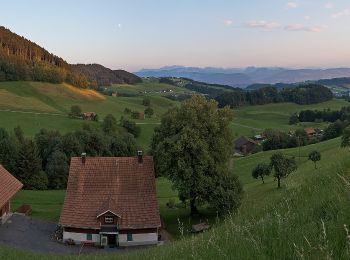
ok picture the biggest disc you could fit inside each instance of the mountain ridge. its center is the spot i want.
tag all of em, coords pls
(243, 77)
(22, 59)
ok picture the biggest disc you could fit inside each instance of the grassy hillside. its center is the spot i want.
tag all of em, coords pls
(34, 105)
(252, 120)
(51, 104)
(307, 218)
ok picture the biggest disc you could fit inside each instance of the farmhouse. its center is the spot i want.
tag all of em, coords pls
(89, 116)
(111, 201)
(9, 186)
(310, 131)
(245, 145)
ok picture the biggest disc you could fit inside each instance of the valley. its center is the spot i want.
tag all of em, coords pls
(107, 151)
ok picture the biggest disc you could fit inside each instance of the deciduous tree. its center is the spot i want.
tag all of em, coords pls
(192, 147)
(282, 166)
(261, 170)
(315, 156)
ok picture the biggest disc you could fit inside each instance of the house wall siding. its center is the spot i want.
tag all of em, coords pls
(80, 237)
(4, 212)
(139, 239)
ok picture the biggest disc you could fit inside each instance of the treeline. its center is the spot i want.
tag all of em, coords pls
(42, 162)
(326, 115)
(304, 94)
(276, 139)
(21, 59)
(212, 90)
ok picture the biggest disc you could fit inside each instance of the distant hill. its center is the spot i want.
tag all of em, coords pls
(243, 77)
(104, 76)
(21, 59)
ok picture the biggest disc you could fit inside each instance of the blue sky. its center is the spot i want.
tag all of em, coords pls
(134, 34)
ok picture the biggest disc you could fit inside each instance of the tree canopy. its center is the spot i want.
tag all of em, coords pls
(282, 166)
(315, 156)
(261, 170)
(192, 147)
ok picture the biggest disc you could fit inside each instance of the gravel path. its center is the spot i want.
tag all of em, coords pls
(35, 235)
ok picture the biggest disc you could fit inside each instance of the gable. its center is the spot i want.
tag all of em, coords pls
(9, 186)
(118, 185)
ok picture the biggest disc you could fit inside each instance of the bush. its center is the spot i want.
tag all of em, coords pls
(130, 126)
(127, 110)
(171, 204)
(146, 102)
(38, 181)
(75, 111)
(149, 112)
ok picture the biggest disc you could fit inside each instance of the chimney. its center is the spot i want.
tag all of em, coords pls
(139, 157)
(83, 158)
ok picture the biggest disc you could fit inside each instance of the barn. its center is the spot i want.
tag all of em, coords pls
(111, 201)
(9, 186)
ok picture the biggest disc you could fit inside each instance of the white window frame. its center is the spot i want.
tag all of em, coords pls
(109, 220)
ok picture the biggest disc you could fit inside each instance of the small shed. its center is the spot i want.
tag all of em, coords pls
(310, 131)
(199, 228)
(245, 145)
(90, 116)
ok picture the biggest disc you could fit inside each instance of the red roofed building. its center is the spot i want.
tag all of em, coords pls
(111, 201)
(9, 186)
(310, 131)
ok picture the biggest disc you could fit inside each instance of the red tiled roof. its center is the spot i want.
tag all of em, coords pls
(119, 184)
(9, 186)
(310, 130)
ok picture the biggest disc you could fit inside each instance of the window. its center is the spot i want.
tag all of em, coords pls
(109, 219)
(129, 237)
(88, 236)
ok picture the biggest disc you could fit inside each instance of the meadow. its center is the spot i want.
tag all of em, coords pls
(303, 219)
(252, 120)
(35, 105)
(307, 218)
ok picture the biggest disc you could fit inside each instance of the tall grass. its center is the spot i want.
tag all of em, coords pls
(309, 218)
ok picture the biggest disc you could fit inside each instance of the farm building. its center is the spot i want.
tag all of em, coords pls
(245, 145)
(310, 131)
(111, 201)
(89, 116)
(9, 186)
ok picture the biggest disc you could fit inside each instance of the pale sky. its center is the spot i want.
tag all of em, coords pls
(135, 34)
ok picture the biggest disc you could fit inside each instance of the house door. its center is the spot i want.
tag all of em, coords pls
(112, 240)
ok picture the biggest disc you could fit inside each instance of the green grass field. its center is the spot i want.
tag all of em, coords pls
(306, 219)
(35, 105)
(252, 120)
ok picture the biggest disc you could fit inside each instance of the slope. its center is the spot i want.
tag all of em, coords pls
(36, 105)
(306, 218)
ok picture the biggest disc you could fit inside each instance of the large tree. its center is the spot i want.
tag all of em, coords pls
(192, 147)
(109, 124)
(261, 170)
(8, 154)
(345, 140)
(47, 141)
(282, 166)
(57, 170)
(315, 156)
(29, 169)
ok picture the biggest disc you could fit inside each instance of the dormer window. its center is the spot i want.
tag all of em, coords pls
(109, 220)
